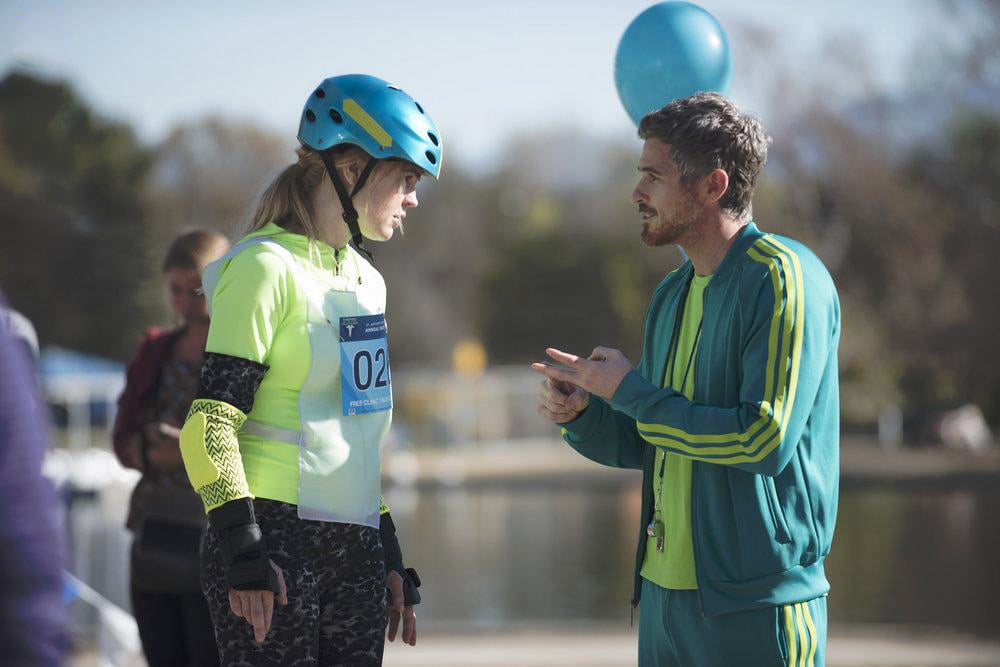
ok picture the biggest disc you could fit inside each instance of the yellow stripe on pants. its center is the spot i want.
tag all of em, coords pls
(790, 636)
(812, 633)
(802, 635)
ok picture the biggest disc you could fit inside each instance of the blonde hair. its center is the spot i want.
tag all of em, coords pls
(195, 249)
(286, 199)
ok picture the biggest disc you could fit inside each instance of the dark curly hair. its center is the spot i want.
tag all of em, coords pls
(706, 132)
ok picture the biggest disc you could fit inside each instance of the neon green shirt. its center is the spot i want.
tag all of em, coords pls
(259, 313)
(674, 567)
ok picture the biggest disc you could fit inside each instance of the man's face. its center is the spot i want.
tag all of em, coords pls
(668, 209)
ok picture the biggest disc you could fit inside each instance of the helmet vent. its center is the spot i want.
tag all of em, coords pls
(419, 108)
(392, 87)
(335, 116)
(431, 158)
(434, 139)
(320, 93)
(310, 116)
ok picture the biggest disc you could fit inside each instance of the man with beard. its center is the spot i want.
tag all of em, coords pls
(732, 413)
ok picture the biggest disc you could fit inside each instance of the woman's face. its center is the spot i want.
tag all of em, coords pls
(184, 294)
(391, 193)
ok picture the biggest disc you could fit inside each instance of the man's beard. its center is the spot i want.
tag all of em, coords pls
(670, 231)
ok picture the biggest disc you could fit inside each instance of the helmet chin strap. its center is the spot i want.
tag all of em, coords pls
(350, 213)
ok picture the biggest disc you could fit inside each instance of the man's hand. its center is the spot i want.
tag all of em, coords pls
(257, 607)
(600, 374)
(394, 583)
(561, 402)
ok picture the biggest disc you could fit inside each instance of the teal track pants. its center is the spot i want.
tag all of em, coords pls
(673, 632)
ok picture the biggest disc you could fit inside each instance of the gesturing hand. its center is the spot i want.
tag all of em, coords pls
(394, 583)
(600, 374)
(561, 402)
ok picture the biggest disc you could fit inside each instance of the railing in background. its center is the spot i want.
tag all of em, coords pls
(442, 409)
(83, 407)
(433, 408)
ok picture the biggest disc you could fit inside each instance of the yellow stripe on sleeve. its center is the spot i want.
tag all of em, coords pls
(800, 317)
(778, 396)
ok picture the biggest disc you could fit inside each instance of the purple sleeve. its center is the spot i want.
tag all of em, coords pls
(33, 623)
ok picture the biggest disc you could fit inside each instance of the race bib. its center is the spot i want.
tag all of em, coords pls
(364, 363)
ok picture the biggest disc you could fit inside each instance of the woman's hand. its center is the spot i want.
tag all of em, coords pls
(257, 607)
(131, 452)
(394, 583)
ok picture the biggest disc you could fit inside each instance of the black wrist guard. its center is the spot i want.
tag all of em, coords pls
(411, 582)
(394, 561)
(243, 549)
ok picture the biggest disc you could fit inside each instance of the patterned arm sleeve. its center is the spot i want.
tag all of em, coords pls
(208, 440)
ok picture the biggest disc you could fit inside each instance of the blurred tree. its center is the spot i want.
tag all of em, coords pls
(206, 173)
(72, 257)
(900, 208)
(961, 350)
(567, 267)
(432, 271)
(544, 249)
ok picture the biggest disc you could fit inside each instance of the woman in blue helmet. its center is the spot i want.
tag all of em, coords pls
(295, 393)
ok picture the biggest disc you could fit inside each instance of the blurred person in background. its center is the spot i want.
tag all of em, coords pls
(22, 331)
(283, 440)
(165, 513)
(733, 414)
(33, 621)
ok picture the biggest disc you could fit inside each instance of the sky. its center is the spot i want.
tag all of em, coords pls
(484, 71)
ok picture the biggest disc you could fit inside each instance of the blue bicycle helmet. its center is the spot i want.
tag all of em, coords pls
(377, 117)
(374, 115)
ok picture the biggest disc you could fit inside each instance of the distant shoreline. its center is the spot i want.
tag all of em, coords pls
(550, 464)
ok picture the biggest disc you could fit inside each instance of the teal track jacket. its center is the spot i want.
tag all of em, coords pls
(763, 428)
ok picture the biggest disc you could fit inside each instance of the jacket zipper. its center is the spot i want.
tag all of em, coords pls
(695, 466)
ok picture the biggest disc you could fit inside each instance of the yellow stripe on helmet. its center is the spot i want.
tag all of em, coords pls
(370, 125)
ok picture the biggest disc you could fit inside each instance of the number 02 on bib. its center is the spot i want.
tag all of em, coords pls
(364, 362)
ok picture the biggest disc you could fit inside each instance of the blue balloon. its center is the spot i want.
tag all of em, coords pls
(670, 51)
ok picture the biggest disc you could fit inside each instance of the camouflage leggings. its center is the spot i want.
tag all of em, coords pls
(335, 574)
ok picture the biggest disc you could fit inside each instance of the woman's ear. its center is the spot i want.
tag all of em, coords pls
(349, 174)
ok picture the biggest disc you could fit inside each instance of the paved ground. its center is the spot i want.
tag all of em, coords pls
(865, 647)
(848, 647)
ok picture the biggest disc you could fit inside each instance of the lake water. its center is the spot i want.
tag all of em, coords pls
(495, 557)
(509, 556)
